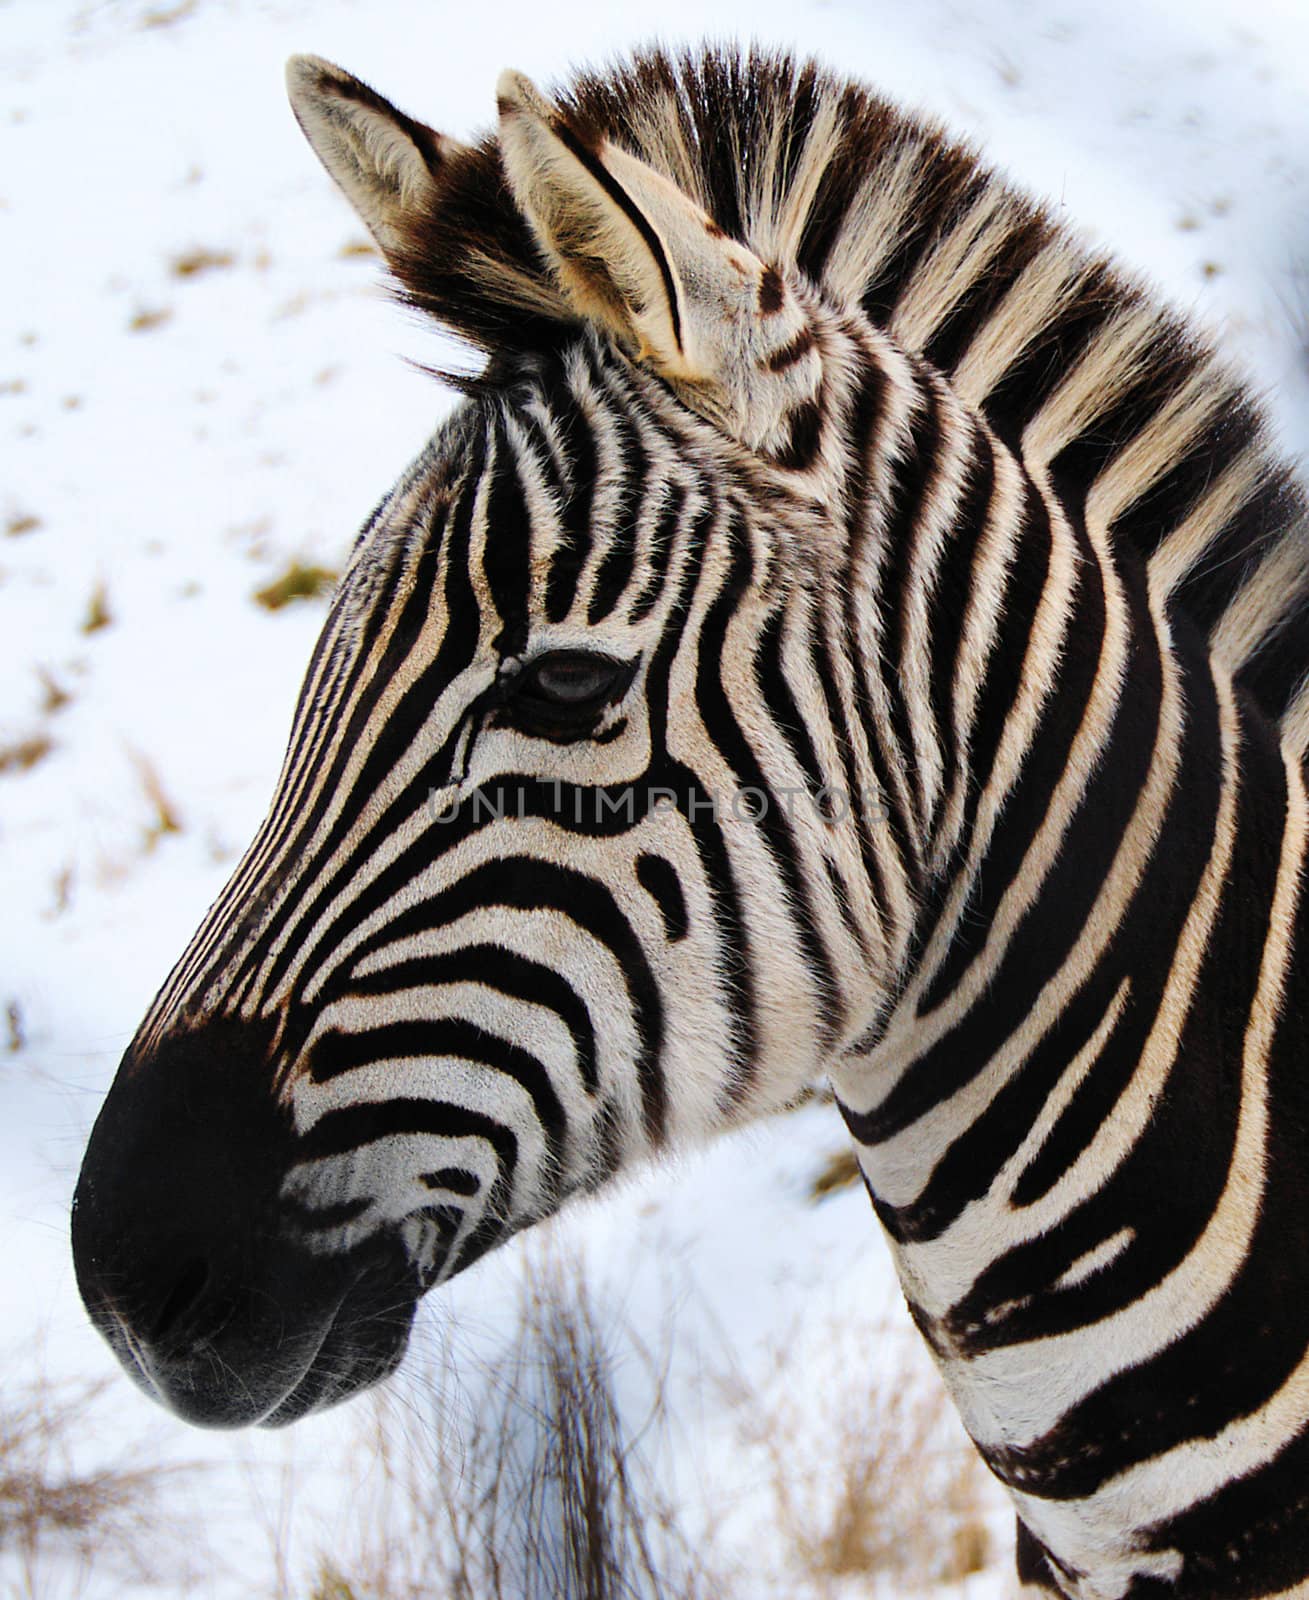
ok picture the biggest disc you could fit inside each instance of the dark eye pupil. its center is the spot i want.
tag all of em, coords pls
(571, 679)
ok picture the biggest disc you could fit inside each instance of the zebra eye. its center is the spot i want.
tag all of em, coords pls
(563, 693)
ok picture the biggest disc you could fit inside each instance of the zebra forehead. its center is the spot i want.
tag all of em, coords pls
(571, 474)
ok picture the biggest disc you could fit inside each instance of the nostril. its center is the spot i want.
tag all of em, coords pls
(186, 1291)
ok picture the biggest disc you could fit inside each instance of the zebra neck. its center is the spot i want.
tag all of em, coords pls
(1064, 1119)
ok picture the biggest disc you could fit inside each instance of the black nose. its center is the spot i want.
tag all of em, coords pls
(185, 1255)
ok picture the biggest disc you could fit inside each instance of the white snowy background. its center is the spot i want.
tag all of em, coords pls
(202, 380)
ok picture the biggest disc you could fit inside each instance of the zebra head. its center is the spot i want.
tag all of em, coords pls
(567, 851)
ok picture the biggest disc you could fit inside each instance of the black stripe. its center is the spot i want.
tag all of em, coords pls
(311, 726)
(660, 881)
(860, 428)
(795, 349)
(576, 439)
(973, 311)
(626, 520)
(296, 827)
(659, 548)
(917, 474)
(775, 687)
(1206, 592)
(507, 550)
(1161, 508)
(804, 435)
(1056, 349)
(633, 213)
(456, 1179)
(955, 186)
(352, 1128)
(952, 588)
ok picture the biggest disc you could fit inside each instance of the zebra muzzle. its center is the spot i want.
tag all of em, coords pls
(194, 1269)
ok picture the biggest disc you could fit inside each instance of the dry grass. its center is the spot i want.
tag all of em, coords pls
(23, 754)
(332, 1585)
(166, 16)
(839, 1171)
(164, 818)
(191, 263)
(544, 1490)
(868, 1470)
(149, 318)
(62, 898)
(300, 581)
(837, 1469)
(58, 1517)
(98, 614)
(54, 697)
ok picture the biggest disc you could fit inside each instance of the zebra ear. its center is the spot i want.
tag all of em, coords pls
(630, 250)
(385, 162)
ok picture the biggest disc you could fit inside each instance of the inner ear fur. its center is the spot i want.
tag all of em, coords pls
(629, 250)
(385, 162)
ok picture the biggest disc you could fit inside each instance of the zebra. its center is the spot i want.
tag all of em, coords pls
(846, 628)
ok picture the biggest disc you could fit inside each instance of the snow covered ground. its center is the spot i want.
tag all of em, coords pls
(200, 381)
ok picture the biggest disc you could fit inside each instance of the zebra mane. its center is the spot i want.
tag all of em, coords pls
(1133, 416)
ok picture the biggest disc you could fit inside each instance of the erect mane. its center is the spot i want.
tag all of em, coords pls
(1134, 416)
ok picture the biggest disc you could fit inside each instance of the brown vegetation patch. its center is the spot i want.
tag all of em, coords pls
(839, 1171)
(149, 317)
(98, 614)
(301, 581)
(164, 818)
(23, 754)
(194, 262)
(62, 898)
(54, 697)
(165, 16)
(870, 1473)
